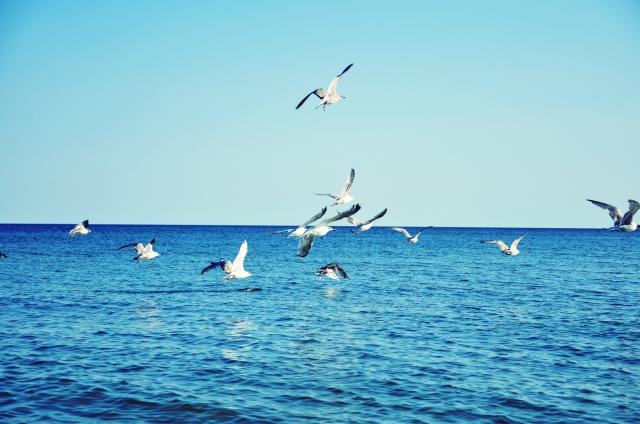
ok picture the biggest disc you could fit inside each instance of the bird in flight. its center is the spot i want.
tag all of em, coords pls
(223, 264)
(623, 223)
(235, 269)
(333, 271)
(320, 230)
(507, 250)
(82, 228)
(366, 225)
(329, 97)
(143, 252)
(410, 238)
(297, 232)
(344, 196)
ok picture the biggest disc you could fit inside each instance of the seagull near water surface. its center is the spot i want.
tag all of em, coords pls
(235, 269)
(82, 229)
(344, 196)
(320, 230)
(622, 223)
(507, 250)
(329, 97)
(411, 239)
(333, 271)
(143, 252)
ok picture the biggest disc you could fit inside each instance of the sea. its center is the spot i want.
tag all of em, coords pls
(447, 330)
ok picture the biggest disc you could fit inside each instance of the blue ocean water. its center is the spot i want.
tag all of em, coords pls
(447, 330)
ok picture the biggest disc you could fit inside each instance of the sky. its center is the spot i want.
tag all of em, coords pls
(457, 113)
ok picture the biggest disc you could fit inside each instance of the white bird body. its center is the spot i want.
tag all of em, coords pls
(621, 223)
(82, 229)
(237, 266)
(145, 252)
(411, 239)
(321, 229)
(344, 196)
(330, 96)
(507, 250)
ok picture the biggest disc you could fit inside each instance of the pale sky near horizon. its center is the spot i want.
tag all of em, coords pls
(463, 113)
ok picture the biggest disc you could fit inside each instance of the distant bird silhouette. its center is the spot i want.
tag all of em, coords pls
(622, 223)
(329, 97)
(82, 228)
(507, 250)
(333, 271)
(143, 252)
(410, 238)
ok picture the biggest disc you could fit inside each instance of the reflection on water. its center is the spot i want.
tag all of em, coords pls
(148, 311)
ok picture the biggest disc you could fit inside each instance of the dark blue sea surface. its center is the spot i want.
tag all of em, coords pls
(447, 330)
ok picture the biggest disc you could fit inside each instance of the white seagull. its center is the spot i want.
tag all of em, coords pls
(507, 250)
(329, 97)
(410, 238)
(333, 271)
(236, 270)
(303, 227)
(366, 225)
(143, 252)
(623, 223)
(82, 228)
(320, 230)
(344, 196)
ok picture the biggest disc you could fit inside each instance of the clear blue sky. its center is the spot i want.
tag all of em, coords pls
(183, 112)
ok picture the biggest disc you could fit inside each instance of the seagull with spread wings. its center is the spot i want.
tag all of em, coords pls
(235, 270)
(297, 232)
(329, 97)
(410, 238)
(366, 225)
(623, 223)
(333, 271)
(344, 196)
(82, 228)
(321, 229)
(507, 250)
(143, 252)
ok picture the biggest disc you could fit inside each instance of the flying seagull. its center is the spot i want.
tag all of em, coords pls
(333, 271)
(366, 225)
(623, 223)
(329, 97)
(143, 252)
(3, 255)
(82, 228)
(410, 238)
(344, 196)
(223, 264)
(303, 227)
(320, 230)
(236, 269)
(507, 250)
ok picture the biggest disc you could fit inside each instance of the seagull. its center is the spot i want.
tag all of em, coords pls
(410, 238)
(344, 196)
(320, 230)
(3, 255)
(507, 250)
(236, 270)
(303, 227)
(144, 252)
(224, 265)
(333, 271)
(329, 97)
(364, 226)
(82, 228)
(623, 223)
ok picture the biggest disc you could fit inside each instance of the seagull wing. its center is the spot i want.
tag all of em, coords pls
(318, 92)
(315, 217)
(503, 247)
(127, 245)
(211, 266)
(337, 269)
(238, 262)
(85, 223)
(403, 231)
(614, 212)
(634, 206)
(341, 215)
(333, 196)
(333, 85)
(348, 182)
(139, 247)
(304, 245)
(516, 242)
(354, 221)
(424, 229)
(380, 215)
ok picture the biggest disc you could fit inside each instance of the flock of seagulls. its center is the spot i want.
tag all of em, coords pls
(307, 234)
